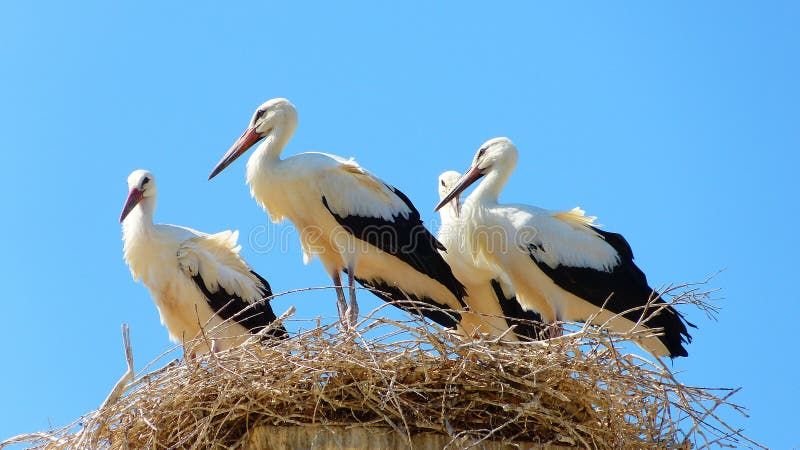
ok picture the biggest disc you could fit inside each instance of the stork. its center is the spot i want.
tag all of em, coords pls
(489, 294)
(559, 263)
(197, 280)
(355, 222)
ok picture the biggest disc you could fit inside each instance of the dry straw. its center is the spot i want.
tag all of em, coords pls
(578, 390)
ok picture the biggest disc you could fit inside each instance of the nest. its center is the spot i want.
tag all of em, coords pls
(578, 390)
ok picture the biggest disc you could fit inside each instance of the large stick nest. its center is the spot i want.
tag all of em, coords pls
(576, 390)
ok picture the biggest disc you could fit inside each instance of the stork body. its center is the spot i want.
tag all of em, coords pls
(352, 220)
(559, 263)
(490, 295)
(197, 280)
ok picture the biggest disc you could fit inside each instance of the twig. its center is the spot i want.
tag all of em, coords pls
(123, 382)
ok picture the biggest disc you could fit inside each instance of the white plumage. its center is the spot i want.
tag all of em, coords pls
(195, 279)
(559, 263)
(490, 296)
(353, 221)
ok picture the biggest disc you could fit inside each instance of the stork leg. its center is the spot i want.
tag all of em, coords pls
(352, 310)
(556, 328)
(341, 301)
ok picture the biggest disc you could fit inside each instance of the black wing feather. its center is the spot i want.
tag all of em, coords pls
(630, 290)
(253, 317)
(436, 312)
(406, 239)
(529, 324)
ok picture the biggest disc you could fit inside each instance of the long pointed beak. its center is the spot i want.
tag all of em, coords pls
(247, 140)
(456, 205)
(472, 175)
(134, 197)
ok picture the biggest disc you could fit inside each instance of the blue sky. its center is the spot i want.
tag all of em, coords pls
(674, 122)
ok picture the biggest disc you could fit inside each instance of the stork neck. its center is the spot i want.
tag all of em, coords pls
(268, 152)
(488, 191)
(140, 220)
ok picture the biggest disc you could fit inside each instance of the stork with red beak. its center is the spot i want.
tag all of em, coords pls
(560, 264)
(493, 307)
(352, 220)
(198, 281)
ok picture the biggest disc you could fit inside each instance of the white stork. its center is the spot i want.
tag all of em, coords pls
(559, 263)
(196, 279)
(351, 219)
(489, 294)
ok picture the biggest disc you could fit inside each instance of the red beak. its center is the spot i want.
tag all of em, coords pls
(247, 140)
(134, 197)
(472, 175)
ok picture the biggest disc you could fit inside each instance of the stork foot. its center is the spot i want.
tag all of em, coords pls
(341, 305)
(556, 329)
(352, 310)
(352, 314)
(188, 355)
(344, 319)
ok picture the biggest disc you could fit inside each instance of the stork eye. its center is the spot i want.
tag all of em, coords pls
(260, 113)
(442, 182)
(481, 152)
(145, 181)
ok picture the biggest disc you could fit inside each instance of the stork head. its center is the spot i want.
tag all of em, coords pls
(141, 185)
(275, 113)
(498, 154)
(447, 181)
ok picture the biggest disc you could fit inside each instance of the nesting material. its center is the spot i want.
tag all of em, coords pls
(408, 379)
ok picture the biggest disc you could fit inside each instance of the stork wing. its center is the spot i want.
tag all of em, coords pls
(350, 190)
(384, 217)
(392, 294)
(232, 289)
(529, 324)
(562, 239)
(598, 267)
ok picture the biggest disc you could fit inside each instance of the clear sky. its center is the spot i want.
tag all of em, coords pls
(677, 123)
